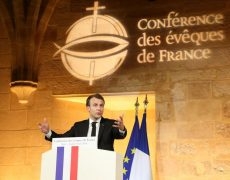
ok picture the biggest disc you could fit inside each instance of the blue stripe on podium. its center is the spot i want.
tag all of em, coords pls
(59, 163)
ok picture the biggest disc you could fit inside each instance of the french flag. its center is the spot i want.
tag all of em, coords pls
(70, 162)
(65, 161)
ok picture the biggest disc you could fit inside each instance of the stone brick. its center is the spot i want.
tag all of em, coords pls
(198, 149)
(43, 99)
(12, 156)
(222, 130)
(5, 60)
(36, 116)
(19, 172)
(5, 46)
(168, 167)
(34, 155)
(4, 80)
(13, 138)
(226, 109)
(199, 90)
(36, 139)
(166, 131)
(196, 130)
(222, 167)
(179, 92)
(198, 110)
(5, 102)
(221, 150)
(13, 120)
(195, 168)
(221, 88)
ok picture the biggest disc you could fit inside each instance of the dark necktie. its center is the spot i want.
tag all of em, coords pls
(93, 133)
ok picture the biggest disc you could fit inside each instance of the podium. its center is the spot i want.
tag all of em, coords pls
(71, 162)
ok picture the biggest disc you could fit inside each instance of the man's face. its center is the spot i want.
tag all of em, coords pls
(95, 108)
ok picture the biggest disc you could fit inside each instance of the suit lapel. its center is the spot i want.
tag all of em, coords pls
(85, 128)
(101, 129)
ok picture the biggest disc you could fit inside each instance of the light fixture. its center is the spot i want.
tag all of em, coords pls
(26, 24)
(23, 90)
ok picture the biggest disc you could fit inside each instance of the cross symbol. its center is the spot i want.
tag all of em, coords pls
(95, 9)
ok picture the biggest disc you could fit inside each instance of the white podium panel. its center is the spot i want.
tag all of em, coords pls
(81, 163)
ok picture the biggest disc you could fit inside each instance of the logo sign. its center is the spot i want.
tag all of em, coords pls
(80, 54)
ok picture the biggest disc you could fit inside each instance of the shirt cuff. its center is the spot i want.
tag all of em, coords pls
(122, 132)
(48, 135)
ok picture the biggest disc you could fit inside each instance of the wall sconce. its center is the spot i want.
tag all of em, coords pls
(23, 90)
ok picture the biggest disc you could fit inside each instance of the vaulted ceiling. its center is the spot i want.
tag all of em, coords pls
(26, 23)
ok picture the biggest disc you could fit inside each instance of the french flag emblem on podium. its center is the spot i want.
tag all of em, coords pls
(66, 160)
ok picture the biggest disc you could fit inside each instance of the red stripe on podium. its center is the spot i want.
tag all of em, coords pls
(74, 163)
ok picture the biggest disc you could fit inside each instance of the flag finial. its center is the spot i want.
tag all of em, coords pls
(145, 102)
(136, 106)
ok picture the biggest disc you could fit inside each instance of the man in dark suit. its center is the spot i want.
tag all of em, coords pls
(106, 130)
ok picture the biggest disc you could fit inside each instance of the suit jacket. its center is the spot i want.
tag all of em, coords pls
(106, 136)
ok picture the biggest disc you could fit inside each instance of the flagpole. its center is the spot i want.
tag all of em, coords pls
(145, 103)
(131, 148)
(141, 162)
(136, 106)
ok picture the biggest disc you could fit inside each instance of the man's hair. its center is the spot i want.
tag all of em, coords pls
(98, 96)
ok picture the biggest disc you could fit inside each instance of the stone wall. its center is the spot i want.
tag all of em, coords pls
(192, 131)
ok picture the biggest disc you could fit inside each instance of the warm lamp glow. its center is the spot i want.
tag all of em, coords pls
(23, 90)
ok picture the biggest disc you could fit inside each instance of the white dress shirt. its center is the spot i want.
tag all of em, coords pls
(90, 126)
